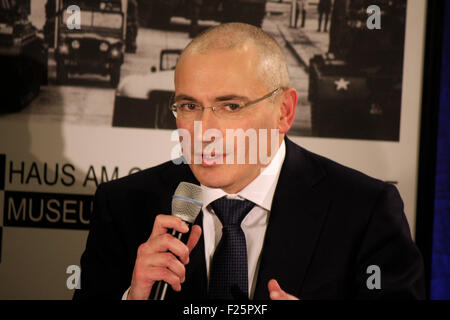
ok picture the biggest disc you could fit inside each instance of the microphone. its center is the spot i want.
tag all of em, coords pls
(186, 205)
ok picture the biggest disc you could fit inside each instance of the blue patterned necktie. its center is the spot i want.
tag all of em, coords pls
(229, 268)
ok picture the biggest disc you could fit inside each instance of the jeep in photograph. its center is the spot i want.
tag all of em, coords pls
(23, 56)
(355, 89)
(96, 45)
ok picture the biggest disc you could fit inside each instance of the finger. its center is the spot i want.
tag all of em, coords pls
(167, 242)
(164, 274)
(145, 277)
(166, 260)
(195, 235)
(164, 222)
(276, 293)
(273, 285)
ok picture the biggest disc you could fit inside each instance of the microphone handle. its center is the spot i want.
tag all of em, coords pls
(159, 289)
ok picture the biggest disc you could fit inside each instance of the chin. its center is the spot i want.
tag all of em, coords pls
(213, 176)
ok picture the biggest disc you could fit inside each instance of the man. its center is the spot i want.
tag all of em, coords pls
(132, 26)
(49, 26)
(338, 26)
(312, 227)
(301, 7)
(324, 9)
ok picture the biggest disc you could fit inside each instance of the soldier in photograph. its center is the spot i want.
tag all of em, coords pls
(324, 9)
(337, 24)
(301, 9)
(49, 26)
(132, 26)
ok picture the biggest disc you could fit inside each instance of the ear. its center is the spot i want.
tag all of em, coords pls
(287, 109)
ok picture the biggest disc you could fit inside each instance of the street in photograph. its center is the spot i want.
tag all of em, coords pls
(111, 63)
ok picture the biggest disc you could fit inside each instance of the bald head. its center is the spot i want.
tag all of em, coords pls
(272, 62)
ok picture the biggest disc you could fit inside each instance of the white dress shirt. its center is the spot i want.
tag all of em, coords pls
(260, 191)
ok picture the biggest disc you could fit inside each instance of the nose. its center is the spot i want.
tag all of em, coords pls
(208, 121)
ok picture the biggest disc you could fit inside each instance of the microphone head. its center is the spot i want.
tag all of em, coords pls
(187, 201)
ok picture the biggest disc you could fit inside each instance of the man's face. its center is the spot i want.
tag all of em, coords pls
(207, 79)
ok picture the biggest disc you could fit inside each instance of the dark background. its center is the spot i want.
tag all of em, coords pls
(433, 207)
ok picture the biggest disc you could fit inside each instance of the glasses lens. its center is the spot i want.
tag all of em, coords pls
(229, 110)
(186, 111)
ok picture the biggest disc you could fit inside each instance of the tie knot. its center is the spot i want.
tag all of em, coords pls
(231, 211)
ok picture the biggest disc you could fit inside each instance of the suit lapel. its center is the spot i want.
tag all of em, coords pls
(298, 211)
(174, 174)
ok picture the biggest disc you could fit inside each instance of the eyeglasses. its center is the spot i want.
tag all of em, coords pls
(229, 110)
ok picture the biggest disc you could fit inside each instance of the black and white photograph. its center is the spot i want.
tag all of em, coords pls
(111, 63)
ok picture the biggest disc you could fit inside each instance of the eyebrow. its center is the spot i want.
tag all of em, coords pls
(184, 97)
(220, 98)
(231, 97)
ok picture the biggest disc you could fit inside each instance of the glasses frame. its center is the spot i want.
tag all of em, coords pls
(173, 106)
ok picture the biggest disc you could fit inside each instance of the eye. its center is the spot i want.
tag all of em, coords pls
(188, 107)
(231, 106)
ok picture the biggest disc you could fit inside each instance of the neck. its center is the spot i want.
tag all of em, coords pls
(237, 187)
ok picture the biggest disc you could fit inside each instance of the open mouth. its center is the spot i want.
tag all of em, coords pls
(210, 156)
(210, 159)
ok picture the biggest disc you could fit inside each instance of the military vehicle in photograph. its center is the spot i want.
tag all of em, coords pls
(159, 12)
(355, 89)
(97, 45)
(23, 56)
(142, 101)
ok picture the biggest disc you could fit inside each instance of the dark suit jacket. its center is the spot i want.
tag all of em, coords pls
(327, 225)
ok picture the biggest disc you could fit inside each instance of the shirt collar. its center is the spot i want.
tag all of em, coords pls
(260, 191)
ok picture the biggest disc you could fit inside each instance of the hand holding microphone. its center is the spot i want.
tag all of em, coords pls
(162, 258)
